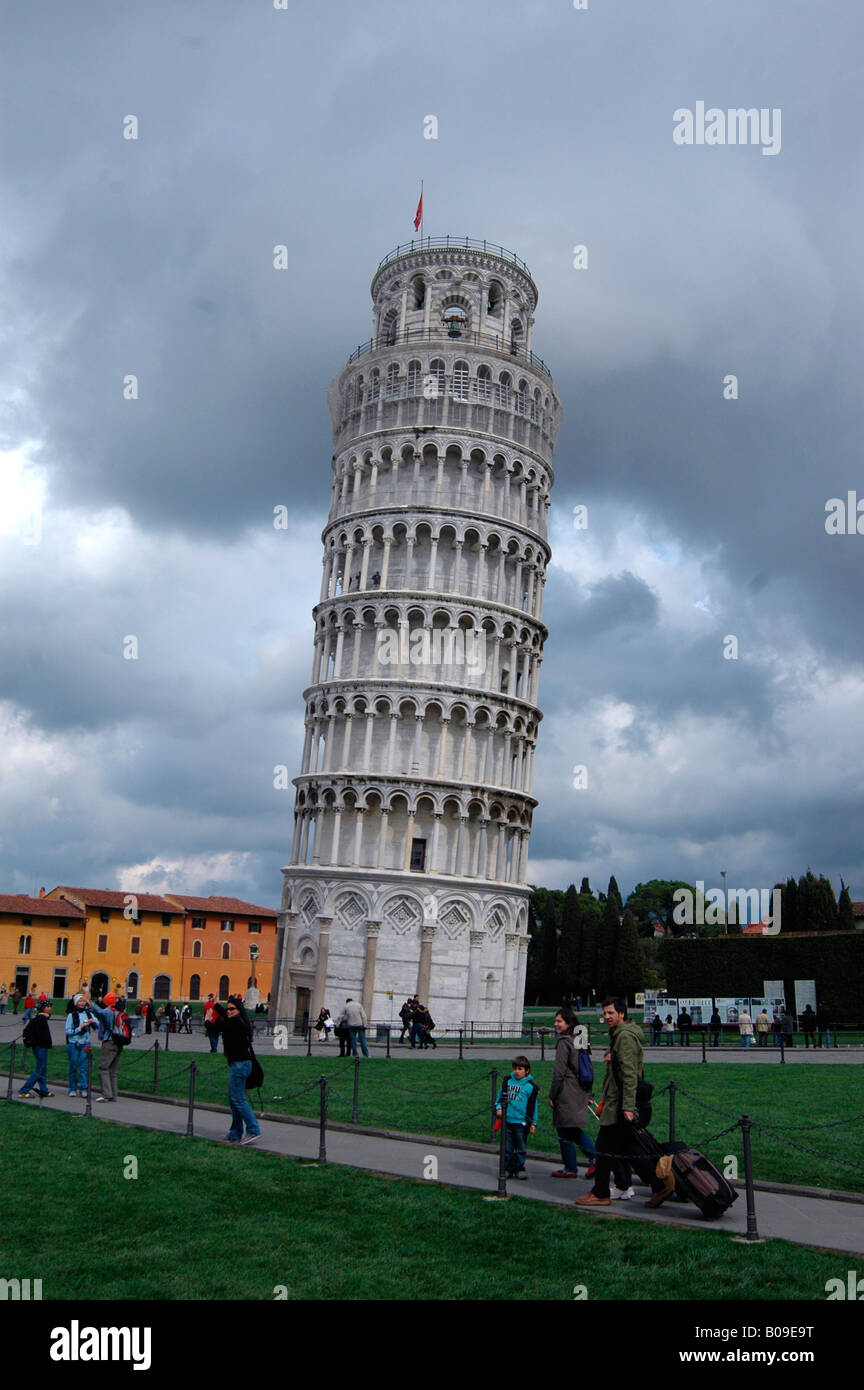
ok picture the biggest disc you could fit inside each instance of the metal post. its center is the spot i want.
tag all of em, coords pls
(167, 1035)
(88, 1108)
(389, 1030)
(461, 1055)
(355, 1102)
(672, 1089)
(156, 1067)
(11, 1071)
(494, 1075)
(531, 1038)
(782, 1049)
(189, 1125)
(502, 1146)
(322, 1127)
(704, 1056)
(542, 1044)
(308, 1039)
(472, 1031)
(746, 1126)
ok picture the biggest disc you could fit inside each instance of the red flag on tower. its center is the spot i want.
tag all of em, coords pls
(418, 216)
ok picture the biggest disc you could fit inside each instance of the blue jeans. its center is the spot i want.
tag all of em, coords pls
(361, 1034)
(77, 1066)
(37, 1076)
(568, 1139)
(746, 1040)
(514, 1148)
(241, 1110)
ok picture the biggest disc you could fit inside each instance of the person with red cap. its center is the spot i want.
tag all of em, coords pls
(113, 1025)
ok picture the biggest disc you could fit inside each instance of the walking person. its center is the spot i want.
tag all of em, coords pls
(406, 1015)
(114, 1033)
(79, 1022)
(685, 1023)
(716, 1027)
(355, 1017)
(4, 997)
(763, 1028)
(656, 1029)
(669, 1030)
(37, 1035)
(236, 1032)
(823, 1023)
(521, 1115)
(745, 1028)
(343, 1034)
(569, 1100)
(15, 996)
(777, 1027)
(618, 1114)
(808, 1026)
(427, 1023)
(211, 1023)
(787, 1030)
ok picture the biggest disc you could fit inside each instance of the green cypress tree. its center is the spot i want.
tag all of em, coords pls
(628, 968)
(589, 913)
(585, 887)
(570, 944)
(607, 943)
(789, 918)
(613, 892)
(845, 915)
(827, 905)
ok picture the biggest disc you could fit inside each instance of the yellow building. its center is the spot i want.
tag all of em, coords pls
(41, 945)
(131, 940)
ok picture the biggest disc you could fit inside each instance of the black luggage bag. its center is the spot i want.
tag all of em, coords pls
(696, 1178)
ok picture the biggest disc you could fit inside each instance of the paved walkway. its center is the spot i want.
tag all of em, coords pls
(828, 1223)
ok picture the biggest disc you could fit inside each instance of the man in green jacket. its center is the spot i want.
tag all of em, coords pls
(623, 1070)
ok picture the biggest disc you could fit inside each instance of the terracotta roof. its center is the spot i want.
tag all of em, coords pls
(37, 907)
(218, 905)
(858, 909)
(98, 897)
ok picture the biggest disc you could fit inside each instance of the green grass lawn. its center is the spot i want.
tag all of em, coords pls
(452, 1099)
(201, 1221)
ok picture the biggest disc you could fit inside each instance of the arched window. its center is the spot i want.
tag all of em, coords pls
(522, 398)
(391, 319)
(436, 369)
(195, 987)
(162, 987)
(414, 378)
(391, 390)
(504, 387)
(375, 385)
(418, 287)
(460, 380)
(224, 987)
(495, 302)
(226, 950)
(24, 945)
(358, 391)
(484, 384)
(196, 949)
(62, 945)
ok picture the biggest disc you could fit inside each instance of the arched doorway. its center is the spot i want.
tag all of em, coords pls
(132, 981)
(98, 984)
(162, 987)
(195, 987)
(224, 987)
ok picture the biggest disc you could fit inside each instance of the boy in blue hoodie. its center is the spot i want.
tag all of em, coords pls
(521, 1115)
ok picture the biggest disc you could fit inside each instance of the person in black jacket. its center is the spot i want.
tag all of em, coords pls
(236, 1033)
(39, 1038)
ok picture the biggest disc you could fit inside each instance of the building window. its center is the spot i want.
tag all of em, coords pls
(255, 927)
(164, 946)
(132, 985)
(63, 924)
(26, 921)
(226, 950)
(104, 915)
(418, 856)
(62, 946)
(198, 923)
(24, 945)
(166, 919)
(195, 983)
(227, 924)
(223, 986)
(162, 987)
(102, 943)
(135, 946)
(196, 949)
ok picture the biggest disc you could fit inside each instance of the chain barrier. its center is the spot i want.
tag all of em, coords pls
(445, 1091)
(813, 1153)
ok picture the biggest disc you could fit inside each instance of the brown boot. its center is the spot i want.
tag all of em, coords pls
(589, 1200)
(658, 1198)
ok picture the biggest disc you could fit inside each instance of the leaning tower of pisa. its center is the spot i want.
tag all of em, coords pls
(413, 807)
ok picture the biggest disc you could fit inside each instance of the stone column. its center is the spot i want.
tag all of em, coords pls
(324, 925)
(372, 930)
(472, 1000)
(519, 996)
(508, 988)
(424, 973)
(286, 938)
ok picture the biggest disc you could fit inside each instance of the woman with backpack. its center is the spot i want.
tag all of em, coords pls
(569, 1098)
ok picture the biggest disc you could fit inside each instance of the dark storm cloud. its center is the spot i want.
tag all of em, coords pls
(304, 128)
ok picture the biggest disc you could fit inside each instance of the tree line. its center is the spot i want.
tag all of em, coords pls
(588, 945)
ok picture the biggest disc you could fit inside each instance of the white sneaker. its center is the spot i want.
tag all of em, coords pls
(622, 1195)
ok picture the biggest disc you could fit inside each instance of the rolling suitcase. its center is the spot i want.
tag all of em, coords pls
(698, 1181)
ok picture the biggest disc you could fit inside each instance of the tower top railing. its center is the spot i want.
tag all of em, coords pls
(494, 342)
(455, 243)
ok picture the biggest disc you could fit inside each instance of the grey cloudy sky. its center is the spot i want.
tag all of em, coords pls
(706, 517)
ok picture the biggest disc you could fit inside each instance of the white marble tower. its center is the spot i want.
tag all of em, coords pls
(414, 805)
